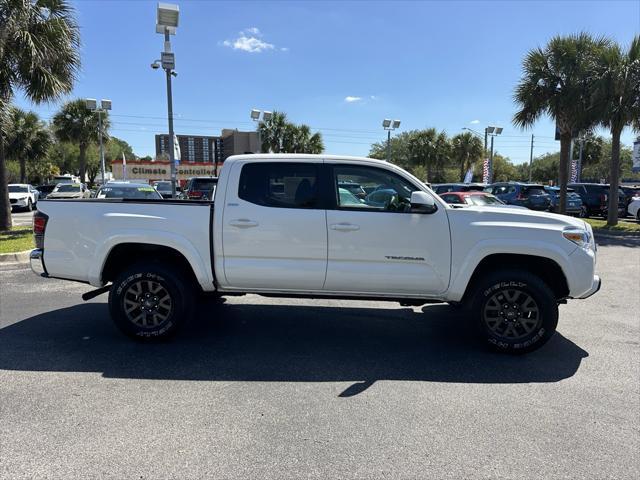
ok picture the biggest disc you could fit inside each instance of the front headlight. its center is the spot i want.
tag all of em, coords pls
(580, 237)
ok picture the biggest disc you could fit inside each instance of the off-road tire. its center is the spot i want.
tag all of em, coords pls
(522, 323)
(155, 320)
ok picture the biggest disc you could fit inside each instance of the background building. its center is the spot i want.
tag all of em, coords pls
(208, 149)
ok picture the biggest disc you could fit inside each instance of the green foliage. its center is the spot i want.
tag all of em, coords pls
(466, 150)
(75, 123)
(278, 135)
(39, 54)
(27, 140)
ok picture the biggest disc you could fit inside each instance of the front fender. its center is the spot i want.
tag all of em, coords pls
(462, 271)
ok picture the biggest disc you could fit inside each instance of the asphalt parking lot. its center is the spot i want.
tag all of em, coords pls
(271, 388)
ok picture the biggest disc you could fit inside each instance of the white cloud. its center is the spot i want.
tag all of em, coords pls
(373, 97)
(284, 49)
(474, 122)
(351, 99)
(250, 40)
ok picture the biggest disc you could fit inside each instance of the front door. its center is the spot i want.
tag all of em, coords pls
(274, 229)
(376, 244)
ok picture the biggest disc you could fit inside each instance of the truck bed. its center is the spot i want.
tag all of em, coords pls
(80, 233)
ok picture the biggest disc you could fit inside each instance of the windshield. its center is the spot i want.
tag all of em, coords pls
(483, 200)
(163, 185)
(203, 184)
(67, 187)
(128, 192)
(17, 189)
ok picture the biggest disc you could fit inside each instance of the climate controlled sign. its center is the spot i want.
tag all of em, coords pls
(162, 170)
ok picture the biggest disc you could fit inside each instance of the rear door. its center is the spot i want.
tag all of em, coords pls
(274, 226)
(384, 248)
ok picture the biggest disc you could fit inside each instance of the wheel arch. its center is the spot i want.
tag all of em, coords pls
(548, 270)
(125, 254)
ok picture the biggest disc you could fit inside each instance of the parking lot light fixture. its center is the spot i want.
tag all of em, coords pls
(105, 105)
(167, 19)
(389, 125)
(255, 116)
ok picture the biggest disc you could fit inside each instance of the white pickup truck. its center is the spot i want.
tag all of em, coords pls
(288, 225)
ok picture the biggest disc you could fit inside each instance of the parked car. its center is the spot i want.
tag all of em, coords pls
(472, 198)
(457, 187)
(595, 198)
(531, 196)
(509, 268)
(69, 190)
(355, 188)
(164, 188)
(634, 208)
(45, 190)
(128, 190)
(22, 195)
(630, 192)
(574, 202)
(199, 187)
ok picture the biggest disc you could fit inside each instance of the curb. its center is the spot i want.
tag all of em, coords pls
(15, 257)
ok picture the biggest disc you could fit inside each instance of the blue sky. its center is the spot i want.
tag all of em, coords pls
(340, 67)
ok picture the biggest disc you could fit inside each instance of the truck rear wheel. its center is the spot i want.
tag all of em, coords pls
(150, 301)
(514, 311)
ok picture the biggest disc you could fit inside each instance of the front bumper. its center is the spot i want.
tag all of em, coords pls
(37, 262)
(595, 286)
(19, 203)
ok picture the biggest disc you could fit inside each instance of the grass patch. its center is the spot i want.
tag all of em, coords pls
(18, 239)
(622, 226)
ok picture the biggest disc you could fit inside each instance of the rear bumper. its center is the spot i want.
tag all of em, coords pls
(37, 262)
(595, 286)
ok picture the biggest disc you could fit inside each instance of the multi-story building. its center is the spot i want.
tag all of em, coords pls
(208, 149)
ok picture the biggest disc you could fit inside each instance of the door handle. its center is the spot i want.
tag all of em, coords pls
(344, 227)
(243, 223)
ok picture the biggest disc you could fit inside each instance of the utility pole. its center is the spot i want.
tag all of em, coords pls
(388, 145)
(491, 162)
(531, 159)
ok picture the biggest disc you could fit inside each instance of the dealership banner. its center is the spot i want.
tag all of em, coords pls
(636, 155)
(160, 170)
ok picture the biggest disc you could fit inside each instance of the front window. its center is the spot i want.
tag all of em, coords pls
(17, 189)
(389, 192)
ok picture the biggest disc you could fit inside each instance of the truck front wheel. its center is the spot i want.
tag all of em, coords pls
(514, 311)
(150, 301)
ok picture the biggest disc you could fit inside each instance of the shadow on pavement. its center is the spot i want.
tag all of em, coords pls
(279, 343)
(617, 240)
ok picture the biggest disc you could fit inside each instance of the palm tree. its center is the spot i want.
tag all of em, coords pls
(75, 123)
(39, 54)
(27, 139)
(557, 81)
(617, 98)
(466, 149)
(272, 132)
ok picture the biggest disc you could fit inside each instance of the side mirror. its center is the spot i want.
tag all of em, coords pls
(422, 202)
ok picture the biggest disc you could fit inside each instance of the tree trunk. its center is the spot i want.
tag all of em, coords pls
(83, 162)
(23, 170)
(563, 173)
(5, 205)
(614, 177)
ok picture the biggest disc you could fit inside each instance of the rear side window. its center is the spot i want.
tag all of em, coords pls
(282, 185)
(534, 191)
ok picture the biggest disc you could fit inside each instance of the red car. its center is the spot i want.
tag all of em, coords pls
(466, 199)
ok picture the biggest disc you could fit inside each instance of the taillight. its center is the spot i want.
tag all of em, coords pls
(39, 225)
(520, 196)
(603, 198)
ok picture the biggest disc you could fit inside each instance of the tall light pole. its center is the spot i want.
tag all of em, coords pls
(389, 125)
(492, 132)
(255, 116)
(105, 105)
(167, 17)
